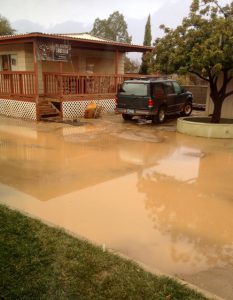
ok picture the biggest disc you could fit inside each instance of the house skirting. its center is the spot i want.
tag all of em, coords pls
(70, 108)
(18, 108)
(74, 109)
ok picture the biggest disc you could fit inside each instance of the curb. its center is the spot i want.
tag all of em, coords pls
(157, 272)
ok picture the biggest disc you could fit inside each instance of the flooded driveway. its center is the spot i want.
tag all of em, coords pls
(160, 197)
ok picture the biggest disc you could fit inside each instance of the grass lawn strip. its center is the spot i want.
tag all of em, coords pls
(42, 262)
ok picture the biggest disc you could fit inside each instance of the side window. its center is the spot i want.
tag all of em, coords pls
(158, 91)
(177, 88)
(8, 62)
(169, 88)
(5, 62)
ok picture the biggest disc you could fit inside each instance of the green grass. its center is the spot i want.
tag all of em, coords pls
(41, 262)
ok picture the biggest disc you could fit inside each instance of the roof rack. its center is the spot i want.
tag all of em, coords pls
(144, 78)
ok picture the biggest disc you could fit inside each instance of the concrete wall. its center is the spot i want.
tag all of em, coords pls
(199, 93)
(227, 108)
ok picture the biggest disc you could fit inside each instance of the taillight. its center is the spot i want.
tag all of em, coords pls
(150, 103)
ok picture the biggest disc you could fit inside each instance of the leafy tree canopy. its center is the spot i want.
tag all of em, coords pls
(202, 45)
(114, 28)
(5, 27)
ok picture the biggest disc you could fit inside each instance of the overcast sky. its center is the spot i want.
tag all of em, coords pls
(51, 12)
(79, 15)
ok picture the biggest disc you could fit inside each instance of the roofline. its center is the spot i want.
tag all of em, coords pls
(129, 47)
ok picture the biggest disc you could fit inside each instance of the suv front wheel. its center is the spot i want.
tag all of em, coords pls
(187, 109)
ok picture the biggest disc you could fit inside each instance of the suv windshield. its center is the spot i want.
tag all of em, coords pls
(136, 89)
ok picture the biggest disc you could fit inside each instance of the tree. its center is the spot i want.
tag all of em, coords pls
(201, 45)
(5, 27)
(113, 28)
(131, 66)
(146, 57)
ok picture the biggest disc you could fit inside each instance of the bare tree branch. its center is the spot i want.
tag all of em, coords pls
(226, 15)
(199, 75)
(229, 94)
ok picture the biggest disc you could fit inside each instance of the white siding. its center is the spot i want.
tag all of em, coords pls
(18, 52)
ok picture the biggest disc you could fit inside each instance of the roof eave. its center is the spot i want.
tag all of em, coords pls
(116, 45)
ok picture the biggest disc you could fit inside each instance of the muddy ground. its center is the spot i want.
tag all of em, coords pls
(160, 197)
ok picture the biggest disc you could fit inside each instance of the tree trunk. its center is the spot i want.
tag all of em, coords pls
(217, 111)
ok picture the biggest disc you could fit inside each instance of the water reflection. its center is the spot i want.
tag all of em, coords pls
(182, 165)
(189, 199)
(160, 197)
(197, 222)
(57, 161)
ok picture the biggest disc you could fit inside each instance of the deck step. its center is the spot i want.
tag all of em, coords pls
(46, 109)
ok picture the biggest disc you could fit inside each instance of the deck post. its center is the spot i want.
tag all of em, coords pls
(116, 68)
(61, 79)
(36, 79)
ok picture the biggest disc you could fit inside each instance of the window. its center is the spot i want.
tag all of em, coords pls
(169, 88)
(8, 62)
(177, 88)
(158, 91)
(5, 62)
(136, 89)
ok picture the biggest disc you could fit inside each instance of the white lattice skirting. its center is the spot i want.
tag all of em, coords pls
(74, 109)
(18, 109)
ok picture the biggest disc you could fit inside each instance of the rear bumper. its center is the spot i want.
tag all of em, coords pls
(136, 112)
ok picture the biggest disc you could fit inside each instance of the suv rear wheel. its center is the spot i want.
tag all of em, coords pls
(160, 117)
(127, 117)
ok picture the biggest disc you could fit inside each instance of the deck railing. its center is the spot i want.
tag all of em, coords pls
(17, 83)
(61, 84)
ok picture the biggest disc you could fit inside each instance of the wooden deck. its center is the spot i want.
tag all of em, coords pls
(59, 85)
(58, 88)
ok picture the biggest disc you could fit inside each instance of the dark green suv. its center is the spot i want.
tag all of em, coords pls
(153, 99)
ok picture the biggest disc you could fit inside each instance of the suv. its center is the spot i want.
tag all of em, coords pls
(152, 98)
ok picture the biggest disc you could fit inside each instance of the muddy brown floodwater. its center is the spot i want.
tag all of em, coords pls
(160, 197)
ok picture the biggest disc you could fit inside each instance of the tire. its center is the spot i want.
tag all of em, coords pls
(187, 109)
(160, 117)
(127, 117)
